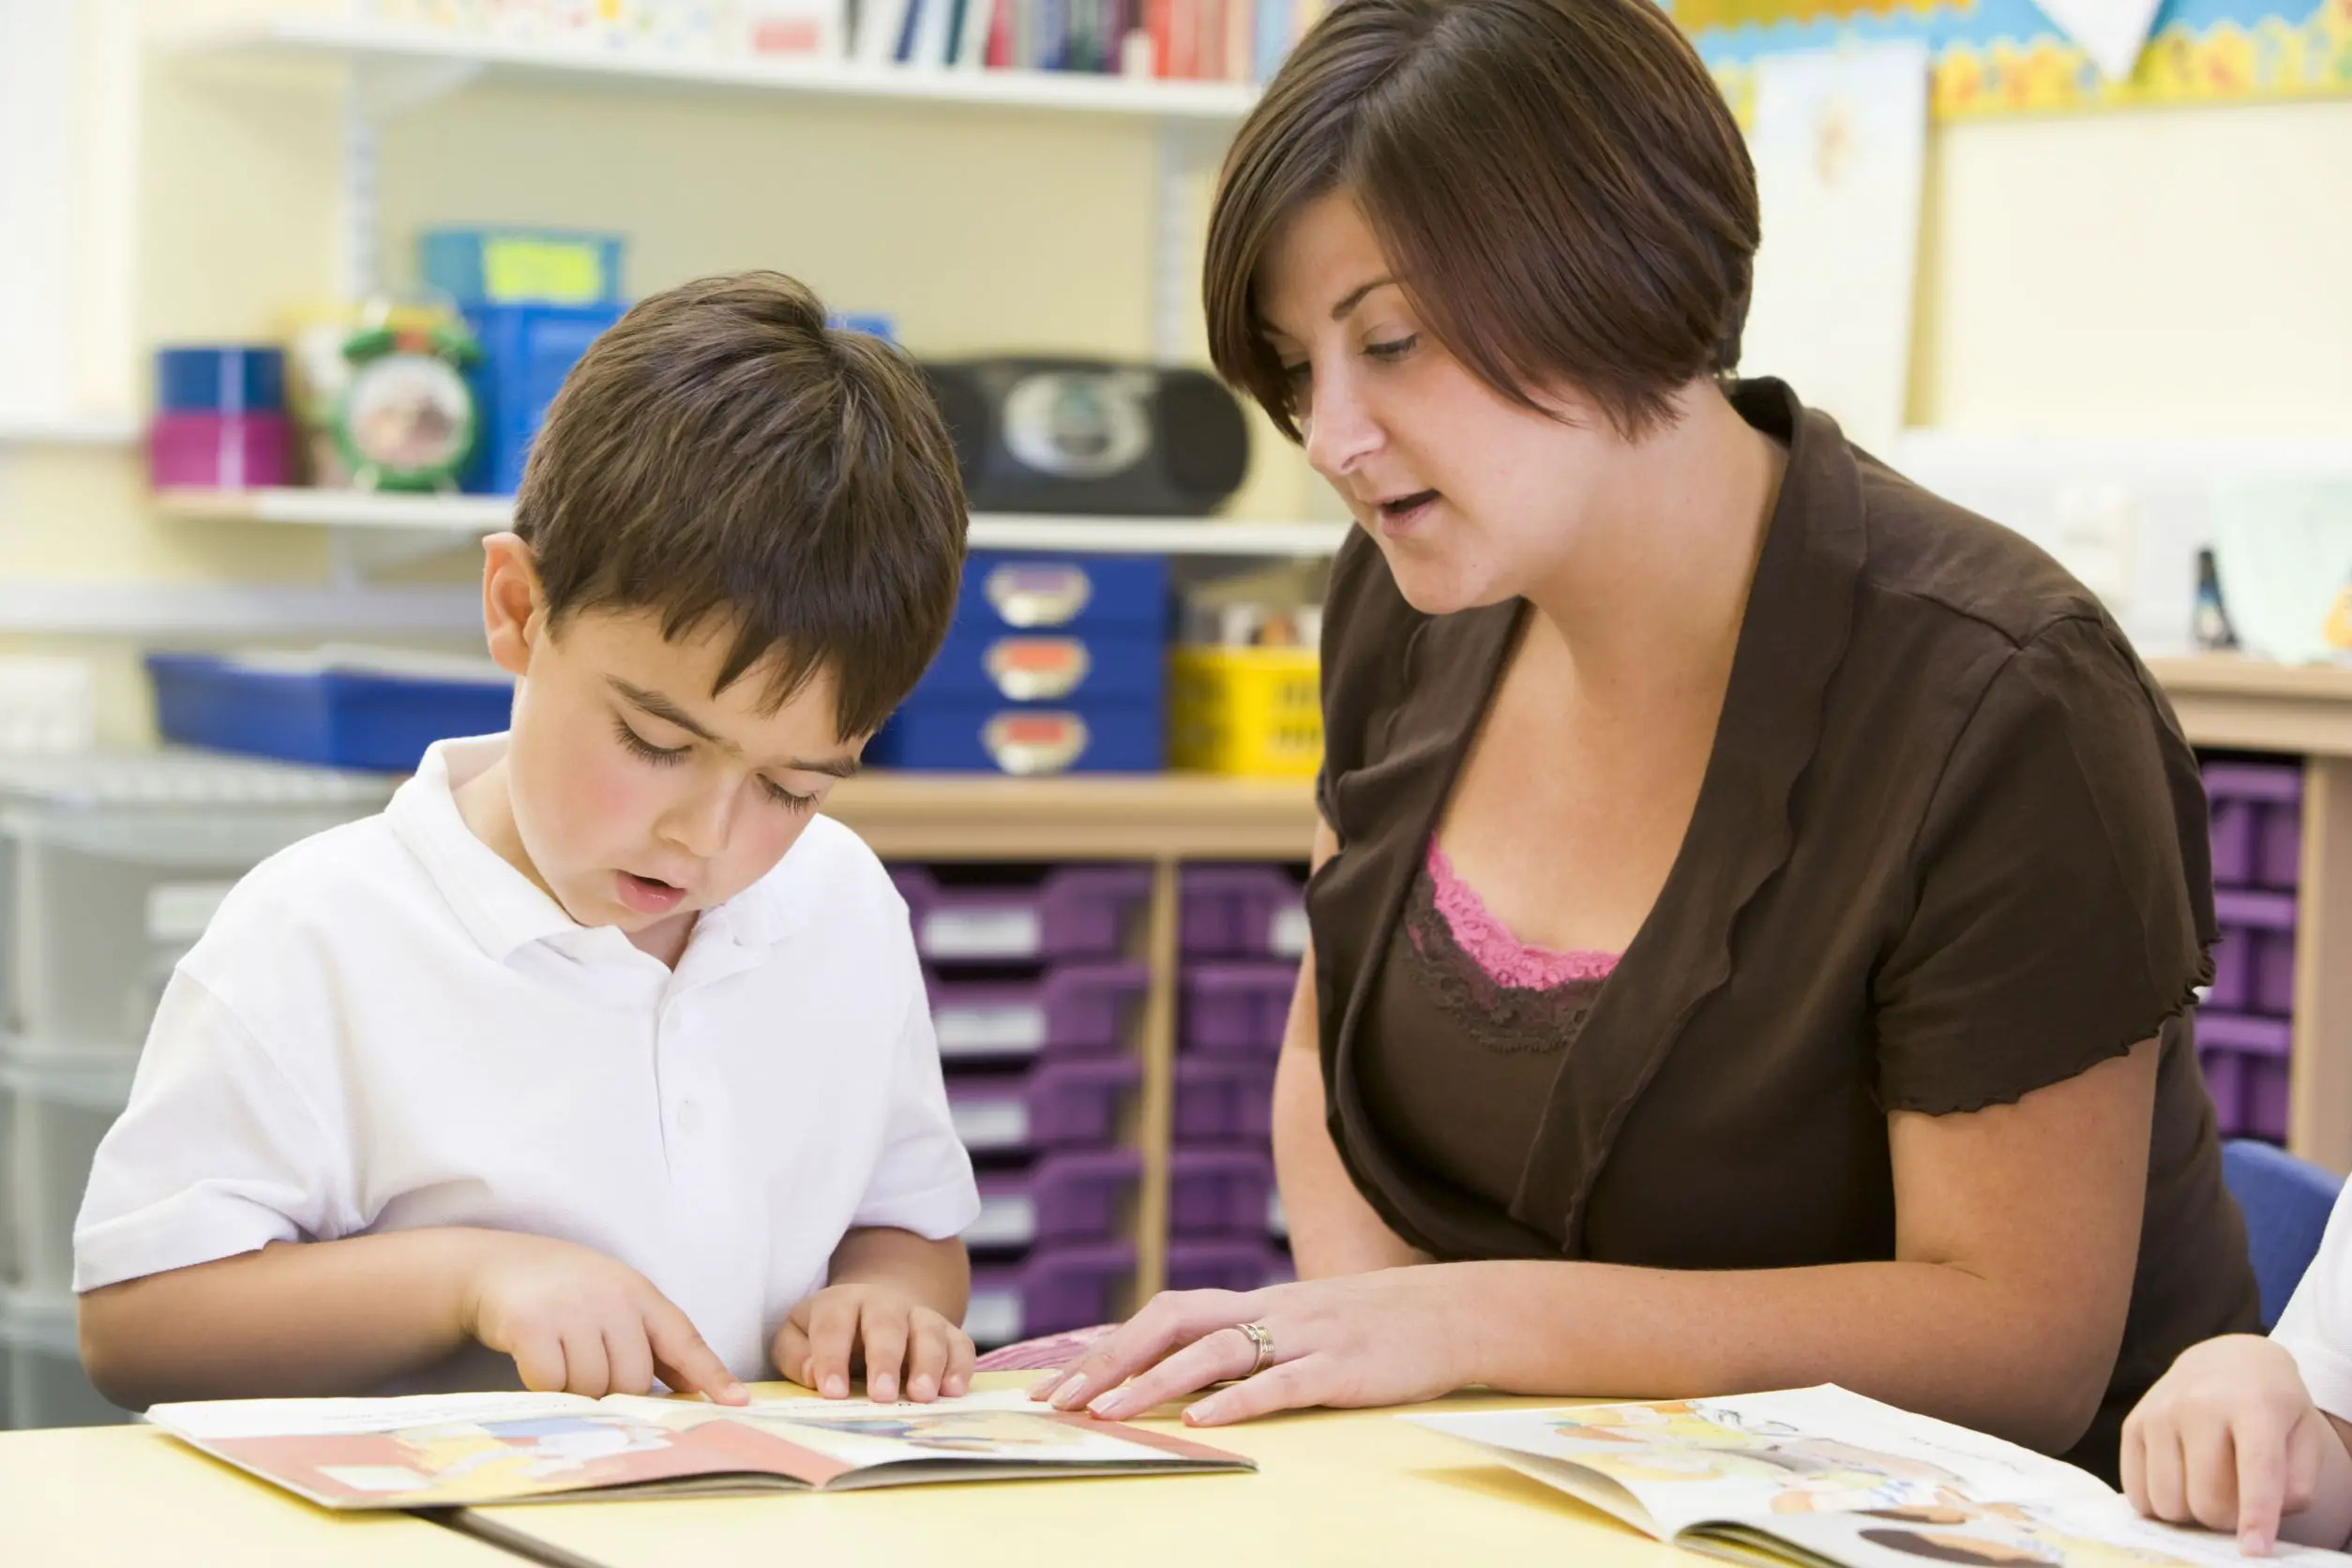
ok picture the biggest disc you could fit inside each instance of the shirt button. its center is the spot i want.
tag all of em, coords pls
(689, 1116)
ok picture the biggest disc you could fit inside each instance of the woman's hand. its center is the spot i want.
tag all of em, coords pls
(1386, 1339)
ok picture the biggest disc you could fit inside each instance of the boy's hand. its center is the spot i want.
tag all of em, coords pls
(2228, 1439)
(897, 1334)
(577, 1321)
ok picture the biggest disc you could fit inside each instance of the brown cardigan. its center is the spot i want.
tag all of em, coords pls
(1949, 848)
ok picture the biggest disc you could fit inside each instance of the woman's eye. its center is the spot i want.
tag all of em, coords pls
(1396, 348)
(660, 755)
(1296, 374)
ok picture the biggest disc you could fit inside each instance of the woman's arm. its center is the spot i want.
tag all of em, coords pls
(2017, 1233)
(1332, 1230)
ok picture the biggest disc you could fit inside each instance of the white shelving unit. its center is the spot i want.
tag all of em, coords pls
(67, 430)
(471, 516)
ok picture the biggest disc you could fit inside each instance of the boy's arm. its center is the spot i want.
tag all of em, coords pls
(937, 1274)
(345, 1317)
(2328, 1522)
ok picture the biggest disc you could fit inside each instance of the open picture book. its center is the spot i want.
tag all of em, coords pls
(1823, 1478)
(449, 1451)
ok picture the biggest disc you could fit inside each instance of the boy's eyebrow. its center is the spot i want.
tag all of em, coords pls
(663, 708)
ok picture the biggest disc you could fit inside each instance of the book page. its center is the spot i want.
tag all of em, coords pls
(1764, 1456)
(2088, 1534)
(1002, 1427)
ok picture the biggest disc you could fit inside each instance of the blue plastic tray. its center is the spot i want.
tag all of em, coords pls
(335, 717)
(956, 737)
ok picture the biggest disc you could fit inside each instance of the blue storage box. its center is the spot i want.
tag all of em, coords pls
(995, 738)
(979, 664)
(229, 378)
(527, 350)
(315, 709)
(1072, 593)
(476, 265)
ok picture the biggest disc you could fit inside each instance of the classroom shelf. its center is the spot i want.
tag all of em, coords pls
(366, 44)
(470, 516)
(67, 430)
(1102, 817)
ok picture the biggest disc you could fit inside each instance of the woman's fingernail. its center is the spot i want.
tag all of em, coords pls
(1071, 1395)
(1046, 1384)
(836, 1388)
(1203, 1414)
(1111, 1406)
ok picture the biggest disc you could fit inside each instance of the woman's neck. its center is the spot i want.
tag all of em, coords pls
(1651, 601)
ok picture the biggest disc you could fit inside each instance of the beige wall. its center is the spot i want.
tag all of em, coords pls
(2171, 273)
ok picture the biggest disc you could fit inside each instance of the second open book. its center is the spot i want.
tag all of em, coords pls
(445, 1450)
(1822, 1478)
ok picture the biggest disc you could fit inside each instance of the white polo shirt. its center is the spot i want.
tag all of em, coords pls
(2315, 1326)
(388, 1027)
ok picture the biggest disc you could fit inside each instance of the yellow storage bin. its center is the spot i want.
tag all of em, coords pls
(1254, 712)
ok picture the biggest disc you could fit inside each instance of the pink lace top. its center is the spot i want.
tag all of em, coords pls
(1505, 959)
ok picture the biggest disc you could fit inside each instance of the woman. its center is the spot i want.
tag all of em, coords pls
(1758, 905)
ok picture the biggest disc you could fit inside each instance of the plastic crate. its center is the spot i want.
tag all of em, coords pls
(986, 667)
(1024, 742)
(1055, 1104)
(1227, 1266)
(1052, 1289)
(1242, 912)
(333, 708)
(1223, 1099)
(1016, 592)
(1237, 1009)
(1076, 1195)
(527, 350)
(1078, 912)
(477, 265)
(1081, 1009)
(2246, 1071)
(1219, 1192)
(230, 378)
(42, 1380)
(58, 1113)
(110, 865)
(1252, 712)
(2254, 966)
(221, 451)
(2258, 823)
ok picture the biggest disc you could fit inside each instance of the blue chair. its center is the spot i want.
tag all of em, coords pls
(2286, 1202)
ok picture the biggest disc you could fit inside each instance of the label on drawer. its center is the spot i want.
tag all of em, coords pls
(1032, 594)
(1006, 933)
(1037, 668)
(1287, 937)
(1006, 1219)
(1278, 1223)
(1028, 744)
(987, 1126)
(179, 911)
(1014, 1029)
(994, 1318)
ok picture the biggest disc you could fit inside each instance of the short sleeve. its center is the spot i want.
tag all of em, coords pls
(2316, 1327)
(922, 1181)
(2061, 913)
(217, 1154)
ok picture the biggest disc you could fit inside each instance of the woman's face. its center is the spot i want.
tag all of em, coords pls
(1473, 499)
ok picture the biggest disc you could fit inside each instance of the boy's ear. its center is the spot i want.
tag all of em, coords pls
(514, 609)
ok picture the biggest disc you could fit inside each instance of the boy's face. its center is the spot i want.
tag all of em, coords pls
(638, 797)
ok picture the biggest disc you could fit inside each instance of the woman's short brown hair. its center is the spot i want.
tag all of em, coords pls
(724, 457)
(1558, 184)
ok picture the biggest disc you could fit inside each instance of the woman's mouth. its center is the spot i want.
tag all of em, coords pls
(649, 895)
(1403, 511)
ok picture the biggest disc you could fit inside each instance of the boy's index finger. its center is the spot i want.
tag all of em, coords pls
(689, 1364)
(2261, 1456)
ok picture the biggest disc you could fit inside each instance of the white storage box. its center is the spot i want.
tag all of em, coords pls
(110, 865)
(57, 1110)
(42, 1380)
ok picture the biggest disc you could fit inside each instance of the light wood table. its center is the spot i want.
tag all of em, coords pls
(1354, 1487)
(115, 1496)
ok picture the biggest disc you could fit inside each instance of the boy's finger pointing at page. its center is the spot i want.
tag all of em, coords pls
(685, 1363)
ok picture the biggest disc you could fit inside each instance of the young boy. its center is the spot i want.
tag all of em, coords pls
(599, 1057)
(2254, 1435)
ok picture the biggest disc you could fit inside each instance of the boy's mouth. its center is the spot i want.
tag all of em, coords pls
(649, 895)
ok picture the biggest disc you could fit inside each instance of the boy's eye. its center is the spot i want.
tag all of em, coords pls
(659, 755)
(785, 797)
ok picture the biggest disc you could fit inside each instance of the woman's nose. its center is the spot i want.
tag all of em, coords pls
(1341, 430)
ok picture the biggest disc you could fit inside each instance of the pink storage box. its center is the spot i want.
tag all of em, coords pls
(1053, 1104)
(1237, 1009)
(1076, 1195)
(1223, 1099)
(1242, 912)
(219, 451)
(1052, 1289)
(1073, 1010)
(1078, 912)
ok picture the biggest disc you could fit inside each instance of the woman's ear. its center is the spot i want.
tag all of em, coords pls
(514, 609)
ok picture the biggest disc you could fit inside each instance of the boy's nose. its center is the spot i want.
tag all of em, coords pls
(699, 823)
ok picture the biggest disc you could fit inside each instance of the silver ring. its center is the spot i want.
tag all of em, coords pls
(1261, 1340)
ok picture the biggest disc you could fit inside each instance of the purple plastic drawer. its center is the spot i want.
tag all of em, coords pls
(1223, 1099)
(1237, 1009)
(1218, 1192)
(2253, 968)
(1073, 1196)
(1242, 912)
(1052, 1289)
(1227, 1266)
(2245, 1061)
(1078, 912)
(2257, 832)
(1054, 1105)
(1072, 1010)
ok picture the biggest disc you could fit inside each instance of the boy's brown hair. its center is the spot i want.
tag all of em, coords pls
(1558, 184)
(724, 457)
